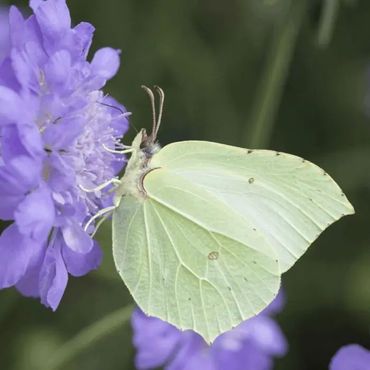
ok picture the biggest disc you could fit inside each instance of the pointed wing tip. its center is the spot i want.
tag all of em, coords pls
(350, 209)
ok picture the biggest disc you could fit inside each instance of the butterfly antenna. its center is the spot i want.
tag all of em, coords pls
(152, 101)
(161, 105)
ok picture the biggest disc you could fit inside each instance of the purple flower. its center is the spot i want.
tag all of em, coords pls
(351, 357)
(250, 346)
(56, 129)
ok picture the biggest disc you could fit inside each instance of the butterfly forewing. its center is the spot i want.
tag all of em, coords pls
(286, 198)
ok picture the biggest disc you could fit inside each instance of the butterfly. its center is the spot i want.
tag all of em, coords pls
(202, 232)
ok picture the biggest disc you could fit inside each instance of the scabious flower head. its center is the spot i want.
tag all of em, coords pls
(250, 346)
(55, 127)
(351, 357)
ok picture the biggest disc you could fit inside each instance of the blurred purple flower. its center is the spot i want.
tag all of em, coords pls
(55, 126)
(4, 32)
(250, 346)
(351, 357)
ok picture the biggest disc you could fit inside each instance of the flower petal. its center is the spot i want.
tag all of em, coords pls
(79, 264)
(16, 252)
(154, 339)
(36, 214)
(267, 335)
(190, 347)
(53, 18)
(20, 175)
(351, 357)
(248, 357)
(8, 205)
(28, 285)
(53, 275)
(105, 63)
(9, 105)
(82, 37)
(76, 238)
(276, 305)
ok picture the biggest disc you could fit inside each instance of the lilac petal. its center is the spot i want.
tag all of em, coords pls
(36, 214)
(16, 252)
(203, 361)
(76, 238)
(23, 32)
(12, 146)
(9, 106)
(63, 133)
(25, 63)
(351, 357)
(53, 18)
(82, 37)
(61, 177)
(16, 179)
(53, 275)
(266, 334)
(17, 26)
(18, 176)
(30, 137)
(248, 357)
(105, 63)
(154, 339)
(23, 139)
(276, 305)
(57, 70)
(7, 76)
(28, 285)
(191, 345)
(78, 264)
(8, 205)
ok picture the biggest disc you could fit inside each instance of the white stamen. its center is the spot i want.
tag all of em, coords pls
(113, 151)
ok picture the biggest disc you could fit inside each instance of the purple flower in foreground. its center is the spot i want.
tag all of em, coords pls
(250, 346)
(351, 357)
(55, 127)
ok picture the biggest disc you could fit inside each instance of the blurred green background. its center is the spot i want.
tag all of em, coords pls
(288, 75)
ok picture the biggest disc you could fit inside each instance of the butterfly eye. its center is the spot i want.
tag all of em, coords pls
(151, 149)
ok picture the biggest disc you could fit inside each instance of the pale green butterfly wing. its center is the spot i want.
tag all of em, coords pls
(289, 200)
(205, 248)
(184, 266)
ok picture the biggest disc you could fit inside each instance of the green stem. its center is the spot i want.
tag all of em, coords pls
(329, 15)
(270, 90)
(88, 337)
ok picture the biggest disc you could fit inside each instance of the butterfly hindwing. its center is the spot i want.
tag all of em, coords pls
(182, 265)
